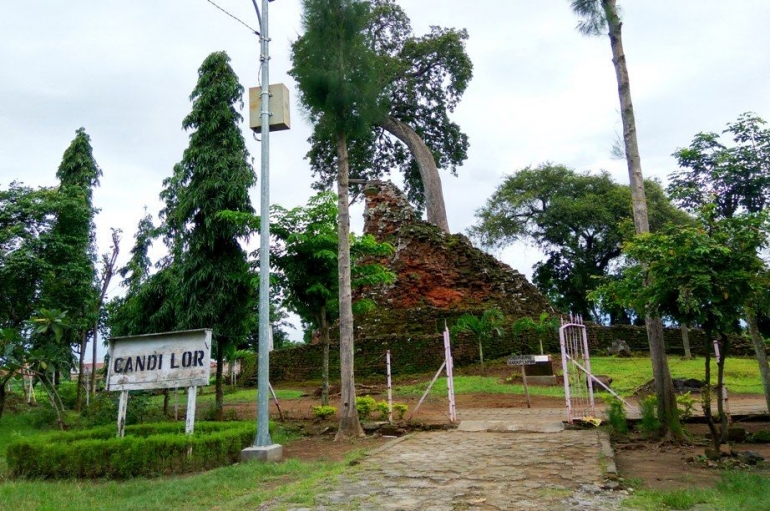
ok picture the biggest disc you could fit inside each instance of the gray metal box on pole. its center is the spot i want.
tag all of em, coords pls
(278, 106)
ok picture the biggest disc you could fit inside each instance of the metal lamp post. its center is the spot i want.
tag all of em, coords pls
(264, 449)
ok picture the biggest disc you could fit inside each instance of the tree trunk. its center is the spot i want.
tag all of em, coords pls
(761, 350)
(481, 359)
(431, 181)
(723, 423)
(220, 397)
(668, 413)
(664, 387)
(81, 367)
(350, 426)
(685, 329)
(93, 357)
(706, 396)
(2, 395)
(325, 363)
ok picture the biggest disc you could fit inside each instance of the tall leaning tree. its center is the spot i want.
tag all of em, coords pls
(212, 272)
(422, 79)
(600, 17)
(336, 73)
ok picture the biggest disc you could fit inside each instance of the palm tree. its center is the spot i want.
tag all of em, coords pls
(484, 328)
(598, 16)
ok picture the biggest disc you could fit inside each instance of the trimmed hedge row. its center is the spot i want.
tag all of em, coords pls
(147, 450)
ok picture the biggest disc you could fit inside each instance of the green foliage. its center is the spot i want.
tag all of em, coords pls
(544, 330)
(699, 275)
(420, 82)
(305, 255)
(69, 281)
(686, 404)
(578, 219)
(365, 405)
(734, 490)
(140, 409)
(335, 70)
(399, 410)
(147, 450)
(323, 412)
(595, 16)
(206, 280)
(649, 425)
(484, 328)
(735, 178)
(617, 416)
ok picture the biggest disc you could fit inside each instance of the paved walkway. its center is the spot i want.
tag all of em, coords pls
(497, 459)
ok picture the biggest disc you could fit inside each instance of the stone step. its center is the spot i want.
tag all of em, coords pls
(527, 426)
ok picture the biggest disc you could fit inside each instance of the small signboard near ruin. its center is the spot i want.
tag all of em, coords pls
(526, 360)
(159, 361)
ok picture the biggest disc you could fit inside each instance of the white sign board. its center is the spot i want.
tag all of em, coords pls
(528, 360)
(160, 361)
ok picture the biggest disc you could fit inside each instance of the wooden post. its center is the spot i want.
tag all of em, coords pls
(526, 387)
(275, 398)
(122, 405)
(390, 389)
(450, 386)
(189, 425)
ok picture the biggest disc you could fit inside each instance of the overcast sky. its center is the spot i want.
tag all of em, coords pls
(124, 71)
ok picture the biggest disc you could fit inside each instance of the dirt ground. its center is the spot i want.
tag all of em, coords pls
(654, 465)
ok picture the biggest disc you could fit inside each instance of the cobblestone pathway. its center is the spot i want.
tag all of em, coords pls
(486, 470)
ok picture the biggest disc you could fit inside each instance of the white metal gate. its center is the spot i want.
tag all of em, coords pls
(576, 366)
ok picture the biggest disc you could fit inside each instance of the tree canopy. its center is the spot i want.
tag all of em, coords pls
(579, 220)
(734, 177)
(419, 81)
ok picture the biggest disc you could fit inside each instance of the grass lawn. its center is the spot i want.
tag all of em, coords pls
(628, 374)
(735, 490)
(242, 486)
(248, 485)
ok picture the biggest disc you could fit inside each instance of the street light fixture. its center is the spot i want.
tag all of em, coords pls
(264, 449)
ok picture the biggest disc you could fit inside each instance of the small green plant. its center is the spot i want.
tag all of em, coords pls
(365, 405)
(686, 404)
(323, 412)
(400, 409)
(383, 409)
(617, 416)
(649, 424)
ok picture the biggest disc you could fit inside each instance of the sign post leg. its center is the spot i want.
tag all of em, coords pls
(526, 388)
(122, 405)
(189, 426)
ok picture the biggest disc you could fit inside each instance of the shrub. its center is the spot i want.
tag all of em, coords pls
(323, 411)
(147, 450)
(399, 409)
(617, 416)
(383, 409)
(103, 409)
(685, 404)
(649, 424)
(365, 405)
(68, 393)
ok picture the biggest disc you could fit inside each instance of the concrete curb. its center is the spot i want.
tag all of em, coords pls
(608, 455)
(390, 444)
